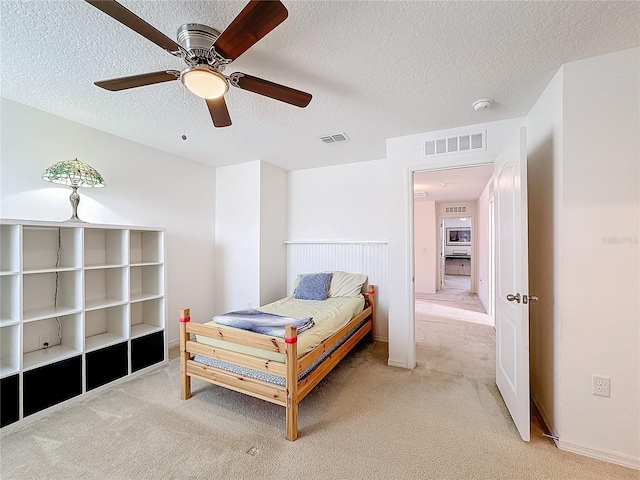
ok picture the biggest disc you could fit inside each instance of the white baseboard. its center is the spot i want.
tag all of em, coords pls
(611, 457)
(174, 343)
(397, 363)
(382, 339)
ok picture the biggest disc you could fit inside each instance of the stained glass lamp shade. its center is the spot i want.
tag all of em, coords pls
(75, 174)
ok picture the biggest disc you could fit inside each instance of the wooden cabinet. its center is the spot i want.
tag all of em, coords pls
(82, 305)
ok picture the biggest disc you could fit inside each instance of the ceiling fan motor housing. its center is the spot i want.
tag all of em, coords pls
(197, 39)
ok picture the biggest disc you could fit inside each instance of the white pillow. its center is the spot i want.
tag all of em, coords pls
(345, 284)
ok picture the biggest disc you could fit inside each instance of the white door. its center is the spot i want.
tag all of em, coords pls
(512, 283)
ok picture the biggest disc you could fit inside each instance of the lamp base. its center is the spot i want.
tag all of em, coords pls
(74, 198)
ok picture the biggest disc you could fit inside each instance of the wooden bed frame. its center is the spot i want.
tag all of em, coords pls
(294, 391)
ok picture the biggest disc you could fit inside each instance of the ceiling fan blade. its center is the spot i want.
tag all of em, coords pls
(123, 83)
(135, 23)
(270, 89)
(219, 112)
(256, 20)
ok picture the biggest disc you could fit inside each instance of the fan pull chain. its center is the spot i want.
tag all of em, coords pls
(184, 113)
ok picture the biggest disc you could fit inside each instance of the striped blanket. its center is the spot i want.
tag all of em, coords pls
(265, 323)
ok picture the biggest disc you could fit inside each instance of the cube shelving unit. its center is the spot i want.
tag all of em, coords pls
(81, 306)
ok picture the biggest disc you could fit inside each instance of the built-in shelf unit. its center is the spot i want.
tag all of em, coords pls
(82, 305)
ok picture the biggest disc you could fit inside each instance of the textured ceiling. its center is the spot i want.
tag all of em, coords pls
(453, 185)
(376, 70)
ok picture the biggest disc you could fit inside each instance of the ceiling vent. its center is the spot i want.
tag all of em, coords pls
(472, 142)
(338, 137)
(455, 209)
(420, 194)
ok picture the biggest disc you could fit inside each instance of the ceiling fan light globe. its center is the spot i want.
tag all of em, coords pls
(204, 82)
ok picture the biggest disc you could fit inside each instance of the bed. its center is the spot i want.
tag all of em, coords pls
(281, 368)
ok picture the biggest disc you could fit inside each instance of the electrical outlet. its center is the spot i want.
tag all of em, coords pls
(601, 385)
(44, 340)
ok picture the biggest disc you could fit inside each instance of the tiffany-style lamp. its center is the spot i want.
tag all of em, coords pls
(75, 174)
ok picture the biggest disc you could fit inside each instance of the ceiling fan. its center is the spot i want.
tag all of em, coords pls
(207, 52)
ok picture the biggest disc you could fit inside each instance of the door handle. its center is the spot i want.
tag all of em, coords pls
(515, 297)
(525, 298)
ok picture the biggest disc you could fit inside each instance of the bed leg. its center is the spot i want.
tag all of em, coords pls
(291, 359)
(371, 294)
(185, 380)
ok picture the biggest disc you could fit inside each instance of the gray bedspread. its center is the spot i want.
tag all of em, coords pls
(265, 323)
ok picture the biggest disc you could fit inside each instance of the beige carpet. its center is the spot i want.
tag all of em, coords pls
(366, 420)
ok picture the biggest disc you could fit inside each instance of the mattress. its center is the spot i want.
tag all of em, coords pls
(329, 315)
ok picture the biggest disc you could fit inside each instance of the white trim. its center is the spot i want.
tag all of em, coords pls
(334, 242)
(410, 260)
(611, 457)
(397, 363)
(174, 343)
(382, 339)
(607, 456)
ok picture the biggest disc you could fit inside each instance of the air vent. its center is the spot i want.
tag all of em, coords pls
(420, 194)
(455, 209)
(338, 137)
(458, 144)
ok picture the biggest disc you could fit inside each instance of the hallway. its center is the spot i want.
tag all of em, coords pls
(455, 307)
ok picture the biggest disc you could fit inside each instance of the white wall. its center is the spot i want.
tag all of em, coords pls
(344, 202)
(483, 255)
(600, 277)
(584, 221)
(404, 156)
(250, 233)
(145, 187)
(426, 245)
(237, 237)
(273, 231)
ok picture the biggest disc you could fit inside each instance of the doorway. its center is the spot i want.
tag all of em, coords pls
(451, 242)
(451, 237)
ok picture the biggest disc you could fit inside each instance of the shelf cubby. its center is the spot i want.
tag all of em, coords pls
(70, 330)
(51, 384)
(147, 350)
(9, 400)
(145, 282)
(9, 299)
(9, 248)
(42, 244)
(9, 350)
(104, 247)
(41, 300)
(105, 287)
(106, 365)
(146, 317)
(105, 327)
(145, 247)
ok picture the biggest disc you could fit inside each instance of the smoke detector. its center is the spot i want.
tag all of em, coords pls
(482, 104)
